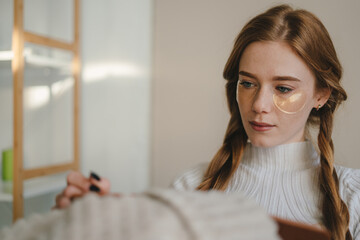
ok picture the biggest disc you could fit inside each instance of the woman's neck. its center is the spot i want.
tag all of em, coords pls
(291, 156)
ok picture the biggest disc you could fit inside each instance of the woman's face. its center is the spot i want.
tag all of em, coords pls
(275, 94)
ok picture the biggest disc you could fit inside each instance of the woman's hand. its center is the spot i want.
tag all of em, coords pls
(78, 186)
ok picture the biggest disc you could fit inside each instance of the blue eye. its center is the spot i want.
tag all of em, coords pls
(246, 84)
(284, 89)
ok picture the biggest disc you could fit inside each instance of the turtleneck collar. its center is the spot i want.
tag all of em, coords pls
(292, 156)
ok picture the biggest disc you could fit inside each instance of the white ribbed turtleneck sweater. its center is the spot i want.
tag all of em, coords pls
(284, 181)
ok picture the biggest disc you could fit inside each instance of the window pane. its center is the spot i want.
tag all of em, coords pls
(48, 106)
(51, 18)
(6, 25)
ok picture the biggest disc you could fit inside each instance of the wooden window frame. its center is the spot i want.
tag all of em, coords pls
(20, 37)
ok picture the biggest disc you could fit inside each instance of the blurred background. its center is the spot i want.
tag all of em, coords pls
(152, 97)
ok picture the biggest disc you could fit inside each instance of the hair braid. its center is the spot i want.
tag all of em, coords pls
(227, 159)
(335, 212)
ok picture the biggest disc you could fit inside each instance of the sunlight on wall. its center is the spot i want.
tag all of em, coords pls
(61, 87)
(39, 96)
(36, 97)
(100, 71)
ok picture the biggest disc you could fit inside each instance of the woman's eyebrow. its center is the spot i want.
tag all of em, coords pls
(276, 78)
(247, 74)
(286, 78)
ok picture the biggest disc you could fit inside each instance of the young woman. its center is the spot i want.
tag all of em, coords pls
(283, 76)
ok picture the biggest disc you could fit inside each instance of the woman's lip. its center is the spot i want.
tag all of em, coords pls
(260, 126)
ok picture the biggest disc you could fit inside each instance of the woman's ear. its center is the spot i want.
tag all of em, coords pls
(322, 96)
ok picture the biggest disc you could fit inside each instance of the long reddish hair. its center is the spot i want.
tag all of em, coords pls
(310, 40)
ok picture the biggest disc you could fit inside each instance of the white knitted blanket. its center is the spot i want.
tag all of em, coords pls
(153, 215)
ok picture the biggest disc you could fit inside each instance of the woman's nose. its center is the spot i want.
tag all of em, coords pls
(262, 101)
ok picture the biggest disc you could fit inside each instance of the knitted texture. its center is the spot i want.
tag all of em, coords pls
(153, 215)
(284, 181)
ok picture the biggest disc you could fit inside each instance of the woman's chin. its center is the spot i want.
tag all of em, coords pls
(262, 143)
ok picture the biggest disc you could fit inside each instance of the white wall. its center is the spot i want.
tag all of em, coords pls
(116, 44)
(193, 40)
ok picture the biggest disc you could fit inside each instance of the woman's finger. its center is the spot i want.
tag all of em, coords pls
(72, 191)
(101, 186)
(62, 201)
(78, 180)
